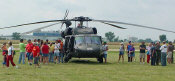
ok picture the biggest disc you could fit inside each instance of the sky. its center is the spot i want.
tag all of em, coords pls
(155, 13)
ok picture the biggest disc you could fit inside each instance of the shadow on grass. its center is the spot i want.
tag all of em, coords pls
(88, 62)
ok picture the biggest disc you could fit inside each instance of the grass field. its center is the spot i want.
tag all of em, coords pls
(90, 70)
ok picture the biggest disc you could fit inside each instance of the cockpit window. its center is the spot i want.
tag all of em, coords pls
(88, 40)
(93, 40)
(79, 40)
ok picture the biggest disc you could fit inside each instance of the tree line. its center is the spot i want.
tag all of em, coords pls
(110, 36)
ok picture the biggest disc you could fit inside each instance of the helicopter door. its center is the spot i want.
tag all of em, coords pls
(71, 44)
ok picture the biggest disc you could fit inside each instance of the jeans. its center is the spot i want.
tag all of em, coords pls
(51, 55)
(158, 56)
(163, 58)
(153, 59)
(60, 56)
(21, 57)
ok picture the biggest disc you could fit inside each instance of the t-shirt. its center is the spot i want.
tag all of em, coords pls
(129, 47)
(51, 48)
(105, 49)
(121, 48)
(22, 47)
(142, 50)
(45, 49)
(35, 51)
(132, 49)
(29, 47)
(10, 49)
(153, 50)
(170, 48)
(149, 50)
(57, 47)
(163, 48)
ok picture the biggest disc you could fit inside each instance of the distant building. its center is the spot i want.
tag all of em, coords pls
(43, 35)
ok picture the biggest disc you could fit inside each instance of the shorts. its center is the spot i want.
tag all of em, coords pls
(36, 59)
(45, 55)
(105, 56)
(132, 55)
(169, 55)
(121, 53)
(56, 53)
(142, 55)
(30, 56)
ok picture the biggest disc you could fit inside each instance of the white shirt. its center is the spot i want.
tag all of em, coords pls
(10, 49)
(57, 46)
(149, 49)
(105, 48)
(163, 48)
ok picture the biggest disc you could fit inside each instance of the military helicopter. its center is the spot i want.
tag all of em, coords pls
(82, 41)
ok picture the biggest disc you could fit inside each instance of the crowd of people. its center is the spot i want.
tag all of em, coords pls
(154, 51)
(40, 51)
(35, 52)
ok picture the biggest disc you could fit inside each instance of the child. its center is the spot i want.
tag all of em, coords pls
(4, 53)
(131, 52)
(36, 53)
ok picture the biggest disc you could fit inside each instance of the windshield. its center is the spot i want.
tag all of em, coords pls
(88, 40)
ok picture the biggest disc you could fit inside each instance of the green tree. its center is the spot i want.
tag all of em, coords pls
(141, 40)
(174, 41)
(110, 36)
(16, 36)
(162, 37)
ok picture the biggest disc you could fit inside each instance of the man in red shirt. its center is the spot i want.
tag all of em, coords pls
(36, 53)
(45, 51)
(29, 49)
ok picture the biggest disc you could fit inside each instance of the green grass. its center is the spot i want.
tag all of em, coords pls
(90, 70)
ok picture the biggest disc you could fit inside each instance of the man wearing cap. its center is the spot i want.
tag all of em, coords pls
(105, 51)
(142, 52)
(163, 49)
(153, 54)
(29, 49)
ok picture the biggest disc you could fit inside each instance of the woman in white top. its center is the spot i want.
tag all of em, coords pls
(10, 55)
(148, 52)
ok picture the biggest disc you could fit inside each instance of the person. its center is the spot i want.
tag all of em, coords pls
(121, 52)
(36, 53)
(128, 49)
(61, 51)
(51, 52)
(153, 55)
(10, 55)
(158, 53)
(45, 51)
(105, 51)
(4, 53)
(163, 49)
(56, 51)
(22, 52)
(142, 52)
(34, 41)
(170, 52)
(41, 54)
(131, 52)
(148, 52)
(29, 48)
(47, 41)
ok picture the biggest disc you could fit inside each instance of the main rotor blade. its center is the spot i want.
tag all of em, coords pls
(33, 23)
(113, 25)
(136, 25)
(66, 14)
(40, 28)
